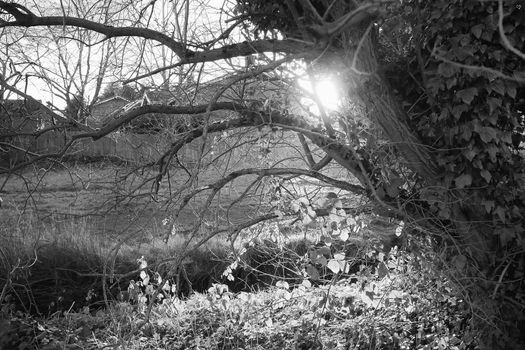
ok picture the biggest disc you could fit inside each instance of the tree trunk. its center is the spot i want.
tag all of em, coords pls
(383, 109)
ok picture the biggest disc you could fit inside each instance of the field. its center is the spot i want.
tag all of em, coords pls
(97, 194)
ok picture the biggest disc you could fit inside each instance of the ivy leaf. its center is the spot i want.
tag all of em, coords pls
(463, 181)
(312, 272)
(458, 110)
(506, 235)
(498, 87)
(321, 260)
(511, 91)
(489, 205)
(339, 256)
(446, 69)
(500, 211)
(324, 251)
(307, 220)
(487, 134)
(469, 154)
(492, 151)
(519, 76)
(344, 235)
(486, 175)
(477, 30)
(467, 95)
(333, 265)
(382, 270)
(493, 103)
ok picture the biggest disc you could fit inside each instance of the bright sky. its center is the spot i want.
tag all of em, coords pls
(202, 22)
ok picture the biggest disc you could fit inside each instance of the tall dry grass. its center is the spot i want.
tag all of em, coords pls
(60, 263)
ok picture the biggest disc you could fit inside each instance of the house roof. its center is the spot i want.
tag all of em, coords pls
(111, 99)
(20, 115)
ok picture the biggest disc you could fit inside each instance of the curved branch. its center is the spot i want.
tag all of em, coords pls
(245, 48)
(502, 35)
(28, 19)
(218, 185)
(121, 119)
(273, 172)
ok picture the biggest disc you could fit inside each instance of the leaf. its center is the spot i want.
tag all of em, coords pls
(446, 69)
(467, 95)
(382, 271)
(311, 212)
(304, 200)
(487, 134)
(492, 151)
(500, 211)
(486, 175)
(339, 256)
(333, 265)
(506, 235)
(463, 181)
(321, 260)
(477, 30)
(497, 86)
(493, 103)
(511, 91)
(307, 220)
(345, 234)
(282, 285)
(469, 154)
(519, 76)
(399, 229)
(306, 283)
(489, 205)
(312, 272)
(458, 110)
(324, 251)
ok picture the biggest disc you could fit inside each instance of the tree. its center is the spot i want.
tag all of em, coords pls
(436, 87)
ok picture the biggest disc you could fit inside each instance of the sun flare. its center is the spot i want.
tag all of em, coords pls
(324, 90)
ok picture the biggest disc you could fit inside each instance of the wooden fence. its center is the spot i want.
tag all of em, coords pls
(143, 148)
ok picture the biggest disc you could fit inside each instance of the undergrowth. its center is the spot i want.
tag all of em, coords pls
(407, 306)
(404, 300)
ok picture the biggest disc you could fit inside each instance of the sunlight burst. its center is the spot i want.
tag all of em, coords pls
(326, 90)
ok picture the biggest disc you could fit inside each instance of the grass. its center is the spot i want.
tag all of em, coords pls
(411, 305)
(50, 267)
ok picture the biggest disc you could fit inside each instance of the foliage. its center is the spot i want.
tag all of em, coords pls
(470, 116)
(410, 304)
(466, 102)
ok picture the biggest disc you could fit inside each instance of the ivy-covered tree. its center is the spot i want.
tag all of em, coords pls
(432, 129)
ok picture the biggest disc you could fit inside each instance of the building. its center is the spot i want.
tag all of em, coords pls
(101, 110)
(18, 119)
